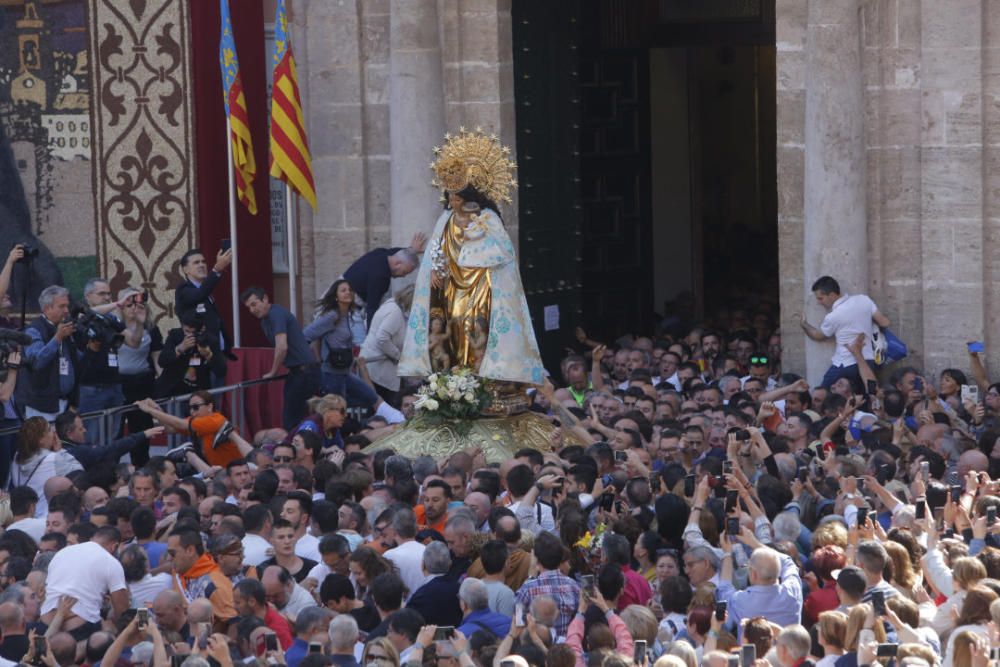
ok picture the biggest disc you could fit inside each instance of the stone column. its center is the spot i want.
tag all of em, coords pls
(416, 119)
(835, 235)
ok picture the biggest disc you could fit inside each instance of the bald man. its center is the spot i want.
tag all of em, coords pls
(94, 497)
(168, 607)
(281, 590)
(479, 503)
(63, 648)
(200, 611)
(972, 460)
(15, 638)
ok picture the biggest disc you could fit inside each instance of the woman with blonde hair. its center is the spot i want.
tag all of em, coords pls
(327, 415)
(641, 624)
(380, 652)
(903, 576)
(965, 572)
(962, 644)
(861, 627)
(831, 532)
(831, 633)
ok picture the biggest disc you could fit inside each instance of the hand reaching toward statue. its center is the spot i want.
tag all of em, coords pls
(437, 282)
(418, 242)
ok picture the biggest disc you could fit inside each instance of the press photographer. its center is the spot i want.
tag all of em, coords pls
(190, 357)
(49, 363)
(10, 362)
(98, 337)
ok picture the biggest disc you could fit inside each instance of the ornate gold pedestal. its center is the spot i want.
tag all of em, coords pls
(497, 437)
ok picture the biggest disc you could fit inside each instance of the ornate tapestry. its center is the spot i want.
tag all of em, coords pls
(96, 145)
(143, 131)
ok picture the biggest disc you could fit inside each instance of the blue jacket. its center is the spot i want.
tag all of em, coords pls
(496, 623)
(91, 456)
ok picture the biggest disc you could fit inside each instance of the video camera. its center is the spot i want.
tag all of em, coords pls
(10, 341)
(96, 327)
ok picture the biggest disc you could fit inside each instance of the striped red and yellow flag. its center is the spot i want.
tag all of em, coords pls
(244, 165)
(290, 159)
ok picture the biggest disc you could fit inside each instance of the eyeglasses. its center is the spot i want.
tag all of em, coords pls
(666, 552)
(758, 361)
(283, 459)
(195, 406)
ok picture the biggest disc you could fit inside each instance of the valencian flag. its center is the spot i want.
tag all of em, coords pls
(236, 110)
(290, 160)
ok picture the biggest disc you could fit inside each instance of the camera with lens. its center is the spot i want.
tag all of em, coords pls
(10, 341)
(196, 321)
(104, 329)
(30, 252)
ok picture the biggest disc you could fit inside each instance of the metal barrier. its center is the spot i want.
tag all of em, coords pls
(171, 405)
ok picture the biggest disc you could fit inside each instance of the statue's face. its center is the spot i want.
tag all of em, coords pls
(454, 201)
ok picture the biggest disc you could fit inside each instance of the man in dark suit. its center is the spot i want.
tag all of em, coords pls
(437, 598)
(371, 274)
(194, 295)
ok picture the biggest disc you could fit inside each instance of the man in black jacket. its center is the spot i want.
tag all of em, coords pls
(194, 295)
(73, 436)
(190, 358)
(48, 379)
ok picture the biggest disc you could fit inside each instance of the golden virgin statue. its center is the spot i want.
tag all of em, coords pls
(468, 304)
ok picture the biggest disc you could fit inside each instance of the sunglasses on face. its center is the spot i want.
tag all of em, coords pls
(758, 361)
(195, 406)
(282, 459)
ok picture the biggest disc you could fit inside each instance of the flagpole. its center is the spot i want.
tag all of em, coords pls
(293, 268)
(235, 272)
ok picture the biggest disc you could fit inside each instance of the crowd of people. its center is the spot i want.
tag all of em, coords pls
(700, 504)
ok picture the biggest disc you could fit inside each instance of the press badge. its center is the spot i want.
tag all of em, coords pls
(112, 360)
(200, 308)
(195, 361)
(63, 366)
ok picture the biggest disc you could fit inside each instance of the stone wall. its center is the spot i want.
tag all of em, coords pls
(442, 64)
(907, 209)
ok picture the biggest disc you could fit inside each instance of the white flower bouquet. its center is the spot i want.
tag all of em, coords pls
(458, 394)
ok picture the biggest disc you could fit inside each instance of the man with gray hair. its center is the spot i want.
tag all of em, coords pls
(310, 625)
(49, 363)
(437, 598)
(793, 646)
(343, 638)
(775, 590)
(99, 385)
(371, 274)
(458, 532)
(701, 565)
(474, 600)
(408, 554)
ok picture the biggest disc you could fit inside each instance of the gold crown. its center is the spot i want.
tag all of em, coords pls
(472, 158)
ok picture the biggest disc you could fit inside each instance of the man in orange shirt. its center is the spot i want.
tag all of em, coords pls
(433, 513)
(219, 443)
(197, 575)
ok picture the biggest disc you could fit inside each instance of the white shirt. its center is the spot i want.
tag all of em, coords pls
(307, 546)
(104, 574)
(297, 601)
(850, 316)
(529, 518)
(319, 573)
(255, 549)
(408, 559)
(145, 590)
(31, 526)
